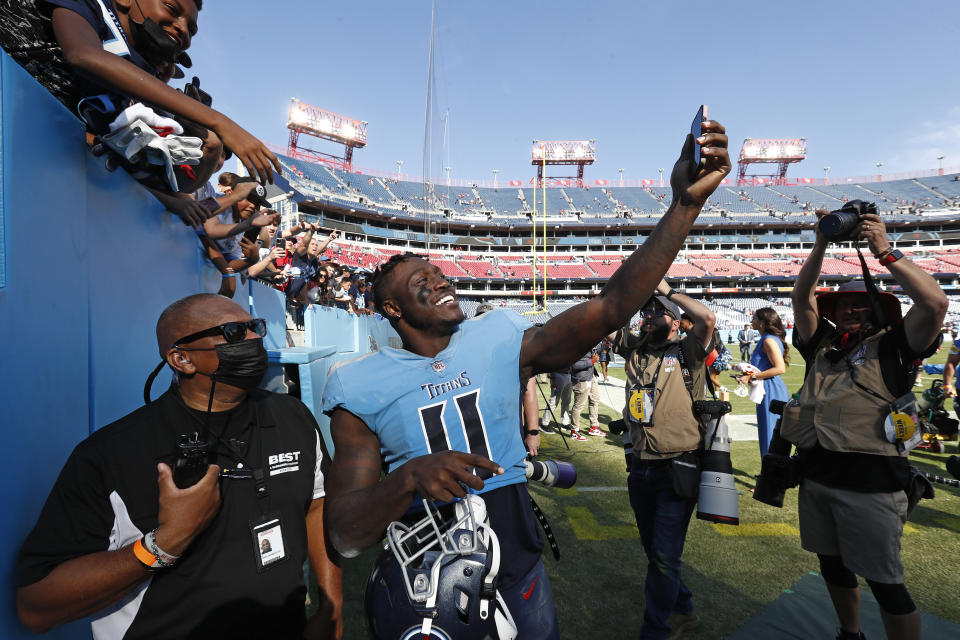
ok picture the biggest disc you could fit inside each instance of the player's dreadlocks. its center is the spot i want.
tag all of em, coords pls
(382, 275)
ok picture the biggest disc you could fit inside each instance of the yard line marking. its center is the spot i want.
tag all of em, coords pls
(757, 529)
(585, 526)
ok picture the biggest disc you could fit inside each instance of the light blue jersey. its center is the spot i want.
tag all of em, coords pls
(467, 398)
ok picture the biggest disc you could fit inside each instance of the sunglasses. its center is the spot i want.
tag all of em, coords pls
(231, 331)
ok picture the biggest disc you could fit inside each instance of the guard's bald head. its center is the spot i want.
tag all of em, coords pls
(195, 313)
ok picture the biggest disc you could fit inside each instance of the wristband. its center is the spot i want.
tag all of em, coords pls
(890, 256)
(150, 555)
(533, 432)
(670, 293)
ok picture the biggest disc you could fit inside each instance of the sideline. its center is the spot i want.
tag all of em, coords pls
(741, 427)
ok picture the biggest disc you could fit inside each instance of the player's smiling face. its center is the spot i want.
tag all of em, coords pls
(424, 297)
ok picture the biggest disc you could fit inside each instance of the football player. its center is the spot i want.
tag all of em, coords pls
(439, 416)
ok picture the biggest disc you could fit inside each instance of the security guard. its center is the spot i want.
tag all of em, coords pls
(664, 375)
(860, 371)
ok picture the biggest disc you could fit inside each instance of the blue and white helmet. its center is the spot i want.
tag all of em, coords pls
(436, 579)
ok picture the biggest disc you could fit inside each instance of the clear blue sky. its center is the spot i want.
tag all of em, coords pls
(863, 81)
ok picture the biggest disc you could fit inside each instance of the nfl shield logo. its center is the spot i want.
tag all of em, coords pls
(438, 366)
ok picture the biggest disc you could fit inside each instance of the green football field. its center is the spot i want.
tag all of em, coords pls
(733, 571)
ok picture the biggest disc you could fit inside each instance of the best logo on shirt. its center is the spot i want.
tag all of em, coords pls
(283, 462)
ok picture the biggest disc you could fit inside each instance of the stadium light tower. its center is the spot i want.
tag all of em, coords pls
(826, 177)
(399, 173)
(940, 167)
(495, 172)
(780, 152)
(325, 125)
(447, 169)
(563, 152)
(661, 175)
(621, 176)
(879, 172)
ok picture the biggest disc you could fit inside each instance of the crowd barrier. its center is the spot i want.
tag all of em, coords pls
(88, 260)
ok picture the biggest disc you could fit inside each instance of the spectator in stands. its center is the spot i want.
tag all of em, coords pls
(860, 352)
(746, 338)
(230, 252)
(585, 390)
(306, 259)
(339, 296)
(771, 357)
(358, 293)
(116, 49)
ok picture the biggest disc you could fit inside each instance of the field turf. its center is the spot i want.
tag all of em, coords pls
(732, 571)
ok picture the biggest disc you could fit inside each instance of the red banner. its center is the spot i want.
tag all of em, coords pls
(516, 183)
(647, 183)
(600, 183)
(806, 180)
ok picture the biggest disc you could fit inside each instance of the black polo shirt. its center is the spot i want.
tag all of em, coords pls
(106, 498)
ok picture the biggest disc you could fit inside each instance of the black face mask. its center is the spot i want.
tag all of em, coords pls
(153, 43)
(242, 364)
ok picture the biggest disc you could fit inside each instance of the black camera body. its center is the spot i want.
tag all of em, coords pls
(192, 460)
(839, 225)
(711, 408)
(778, 471)
(619, 427)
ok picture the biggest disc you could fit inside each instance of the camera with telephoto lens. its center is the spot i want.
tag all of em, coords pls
(778, 471)
(619, 427)
(840, 225)
(552, 473)
(192, 460)
(718, 499)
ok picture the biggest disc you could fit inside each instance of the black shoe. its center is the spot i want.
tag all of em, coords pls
(953, 466)
(844, 635)
(546, 428)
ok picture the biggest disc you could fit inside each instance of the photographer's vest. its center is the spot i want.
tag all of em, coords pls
(834, 411)
(675, 429)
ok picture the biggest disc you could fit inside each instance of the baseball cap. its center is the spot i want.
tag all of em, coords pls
(669, 306)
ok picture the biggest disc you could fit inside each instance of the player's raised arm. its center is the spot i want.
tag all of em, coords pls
(569, 335)
(359, 506)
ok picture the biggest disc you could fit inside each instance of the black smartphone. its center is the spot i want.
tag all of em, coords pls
(280, 242)
(696, 130)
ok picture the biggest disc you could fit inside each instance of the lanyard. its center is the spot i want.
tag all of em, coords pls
(119, 45)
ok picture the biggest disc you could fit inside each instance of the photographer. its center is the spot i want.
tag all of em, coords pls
(852, 503)
(665, 374)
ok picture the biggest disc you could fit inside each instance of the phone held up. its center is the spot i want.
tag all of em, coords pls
(696, 130)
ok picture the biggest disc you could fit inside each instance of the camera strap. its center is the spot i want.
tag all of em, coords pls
(879, 309)
(545, 525)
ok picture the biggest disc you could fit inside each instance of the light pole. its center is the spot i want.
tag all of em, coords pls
(399, 174)
(495, 172)
(879, 172)
(621, 176)
(661, 175)
(447, 169)
(940, 168)
(826, 177)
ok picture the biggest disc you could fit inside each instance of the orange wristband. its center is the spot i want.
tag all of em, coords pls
(145, 558)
